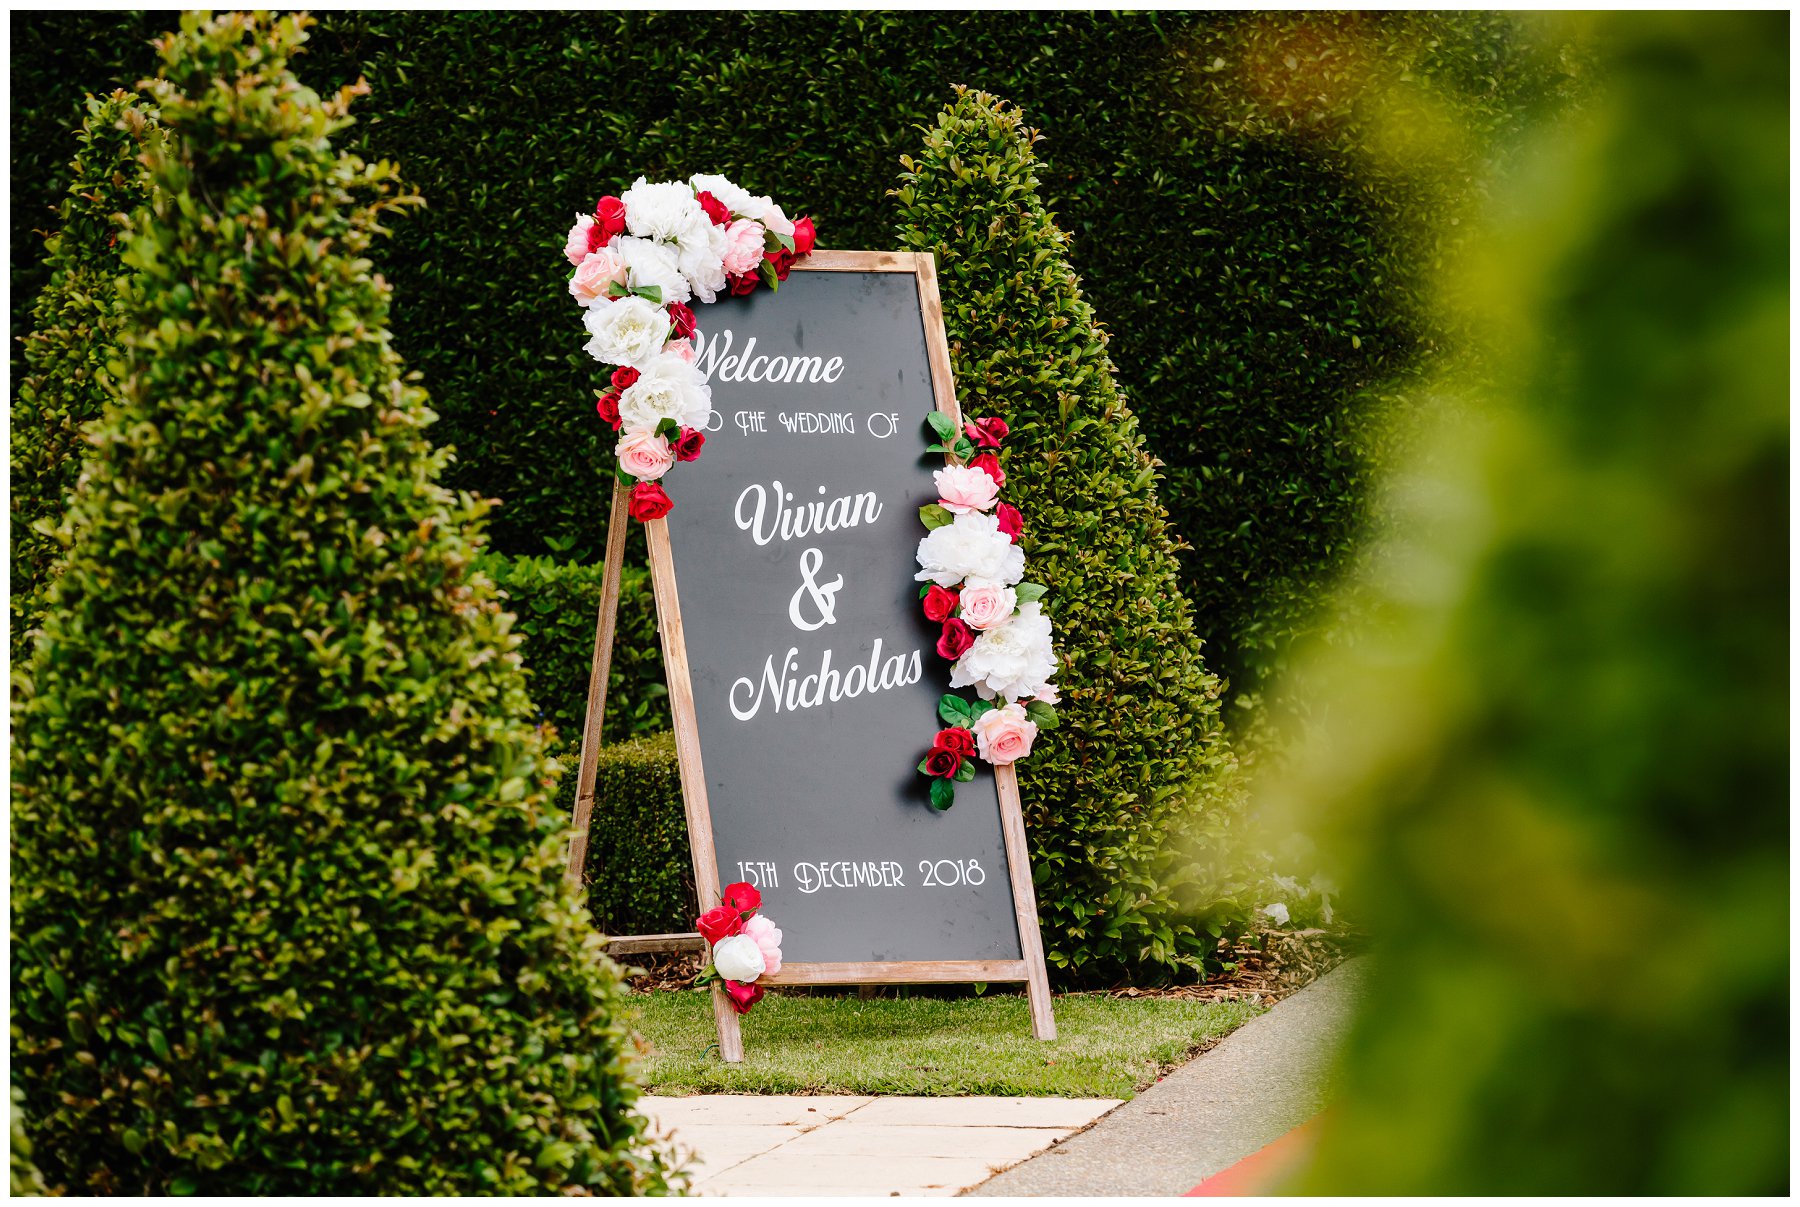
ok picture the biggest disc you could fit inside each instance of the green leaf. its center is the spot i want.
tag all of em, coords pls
(980, 708)
(966, 771)
(668, 429)
(964, 448)
(159, 1044)
(943, 425)
(934, 515)
(953, 710)
(651, 293)
(925, 589)
(183, 1185)
(1041, 713)
(943, 794)
(1030, 592)
(766, 270)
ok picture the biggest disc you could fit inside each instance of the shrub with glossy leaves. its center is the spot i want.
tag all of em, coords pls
(640, 876)
(73, 345)
(1140, 746)
(287, 911)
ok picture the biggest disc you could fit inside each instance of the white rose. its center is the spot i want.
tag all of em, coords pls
(729, 195)
(650, 263)
(971, 546)
(662, 211)
(702, 262)
(1014, 660)
(667, 388)
(738, 958)
(627, 332)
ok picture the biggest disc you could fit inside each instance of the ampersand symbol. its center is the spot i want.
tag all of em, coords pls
(824, 595)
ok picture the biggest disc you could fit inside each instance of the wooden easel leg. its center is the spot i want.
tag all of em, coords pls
(687, 751)
(605, 630)
(1031, 940)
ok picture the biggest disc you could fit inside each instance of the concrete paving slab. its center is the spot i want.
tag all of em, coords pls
(753, 1109)
(984, 1112)
(991, 1145)
(1261, 1081)
(778, 1173)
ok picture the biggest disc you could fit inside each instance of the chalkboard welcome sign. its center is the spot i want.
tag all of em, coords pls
(802, 674)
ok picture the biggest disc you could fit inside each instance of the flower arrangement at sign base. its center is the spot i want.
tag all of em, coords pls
(745, 945)
(639, 259)
(994, 631)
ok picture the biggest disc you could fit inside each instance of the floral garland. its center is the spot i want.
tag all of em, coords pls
(639, 259)
(745, 945)
(995, 632)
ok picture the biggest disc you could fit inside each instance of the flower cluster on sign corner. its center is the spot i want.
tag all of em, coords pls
(745, 945)
(639, 259)
(994, 631)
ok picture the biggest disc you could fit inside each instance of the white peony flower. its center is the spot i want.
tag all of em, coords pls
(738, 958)
(648, 262)
(1013, 661)
(627, 332)
(668, 387)
(1277, 913)
(667, 212)
(971, 546)
(702, 262)
(729, 195)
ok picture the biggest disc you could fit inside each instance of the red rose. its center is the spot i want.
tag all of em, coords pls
(955, 640)
(719, 922)
(783, 260)
(623, 378)
(609, 218)
(742, 896)
(939, 603)
(715, 209)
(597, 238)
(988, 433)
(943, 763)
(688, 443)
(608, 408)
(1011, 522)
(649, 502)
(743, 283)
(991, 464)
(743, 996)
(804, 236)
(957, 741)
(683, 320)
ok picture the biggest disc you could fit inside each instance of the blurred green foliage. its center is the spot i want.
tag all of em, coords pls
(1140, 753)
(1240, 220)
(73, 339)
(287, 905)
(1557, 772)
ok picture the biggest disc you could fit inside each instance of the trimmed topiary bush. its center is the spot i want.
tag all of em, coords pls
(640, 874)
(73, 344)
(556, 605)
(1140, 731)
(287, 911)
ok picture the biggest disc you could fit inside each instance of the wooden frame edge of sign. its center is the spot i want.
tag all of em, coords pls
(1029, 968)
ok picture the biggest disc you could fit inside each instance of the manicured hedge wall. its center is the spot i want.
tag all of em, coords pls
(640, 875)
(1236, 220)
(557, 603)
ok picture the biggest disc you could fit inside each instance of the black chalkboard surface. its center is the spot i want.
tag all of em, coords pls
(812, 669)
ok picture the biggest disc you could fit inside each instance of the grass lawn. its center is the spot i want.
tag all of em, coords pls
(1106, 1048)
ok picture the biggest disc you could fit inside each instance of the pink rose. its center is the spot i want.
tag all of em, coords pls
(1004, 735)
(1048, 695)
(684, 348)
(743, 247)
(963, 489)
(986, 603)
(645, 455)
(775, 220)
(768, 941)
(596, 272)
(577, 246)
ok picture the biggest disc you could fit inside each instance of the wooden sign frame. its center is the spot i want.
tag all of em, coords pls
(1028, 969)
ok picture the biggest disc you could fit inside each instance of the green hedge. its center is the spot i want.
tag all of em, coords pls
(556, 603)
(73, 344)
(1139, 748)
(287, 912)
(1233, 217)
(640, 873)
